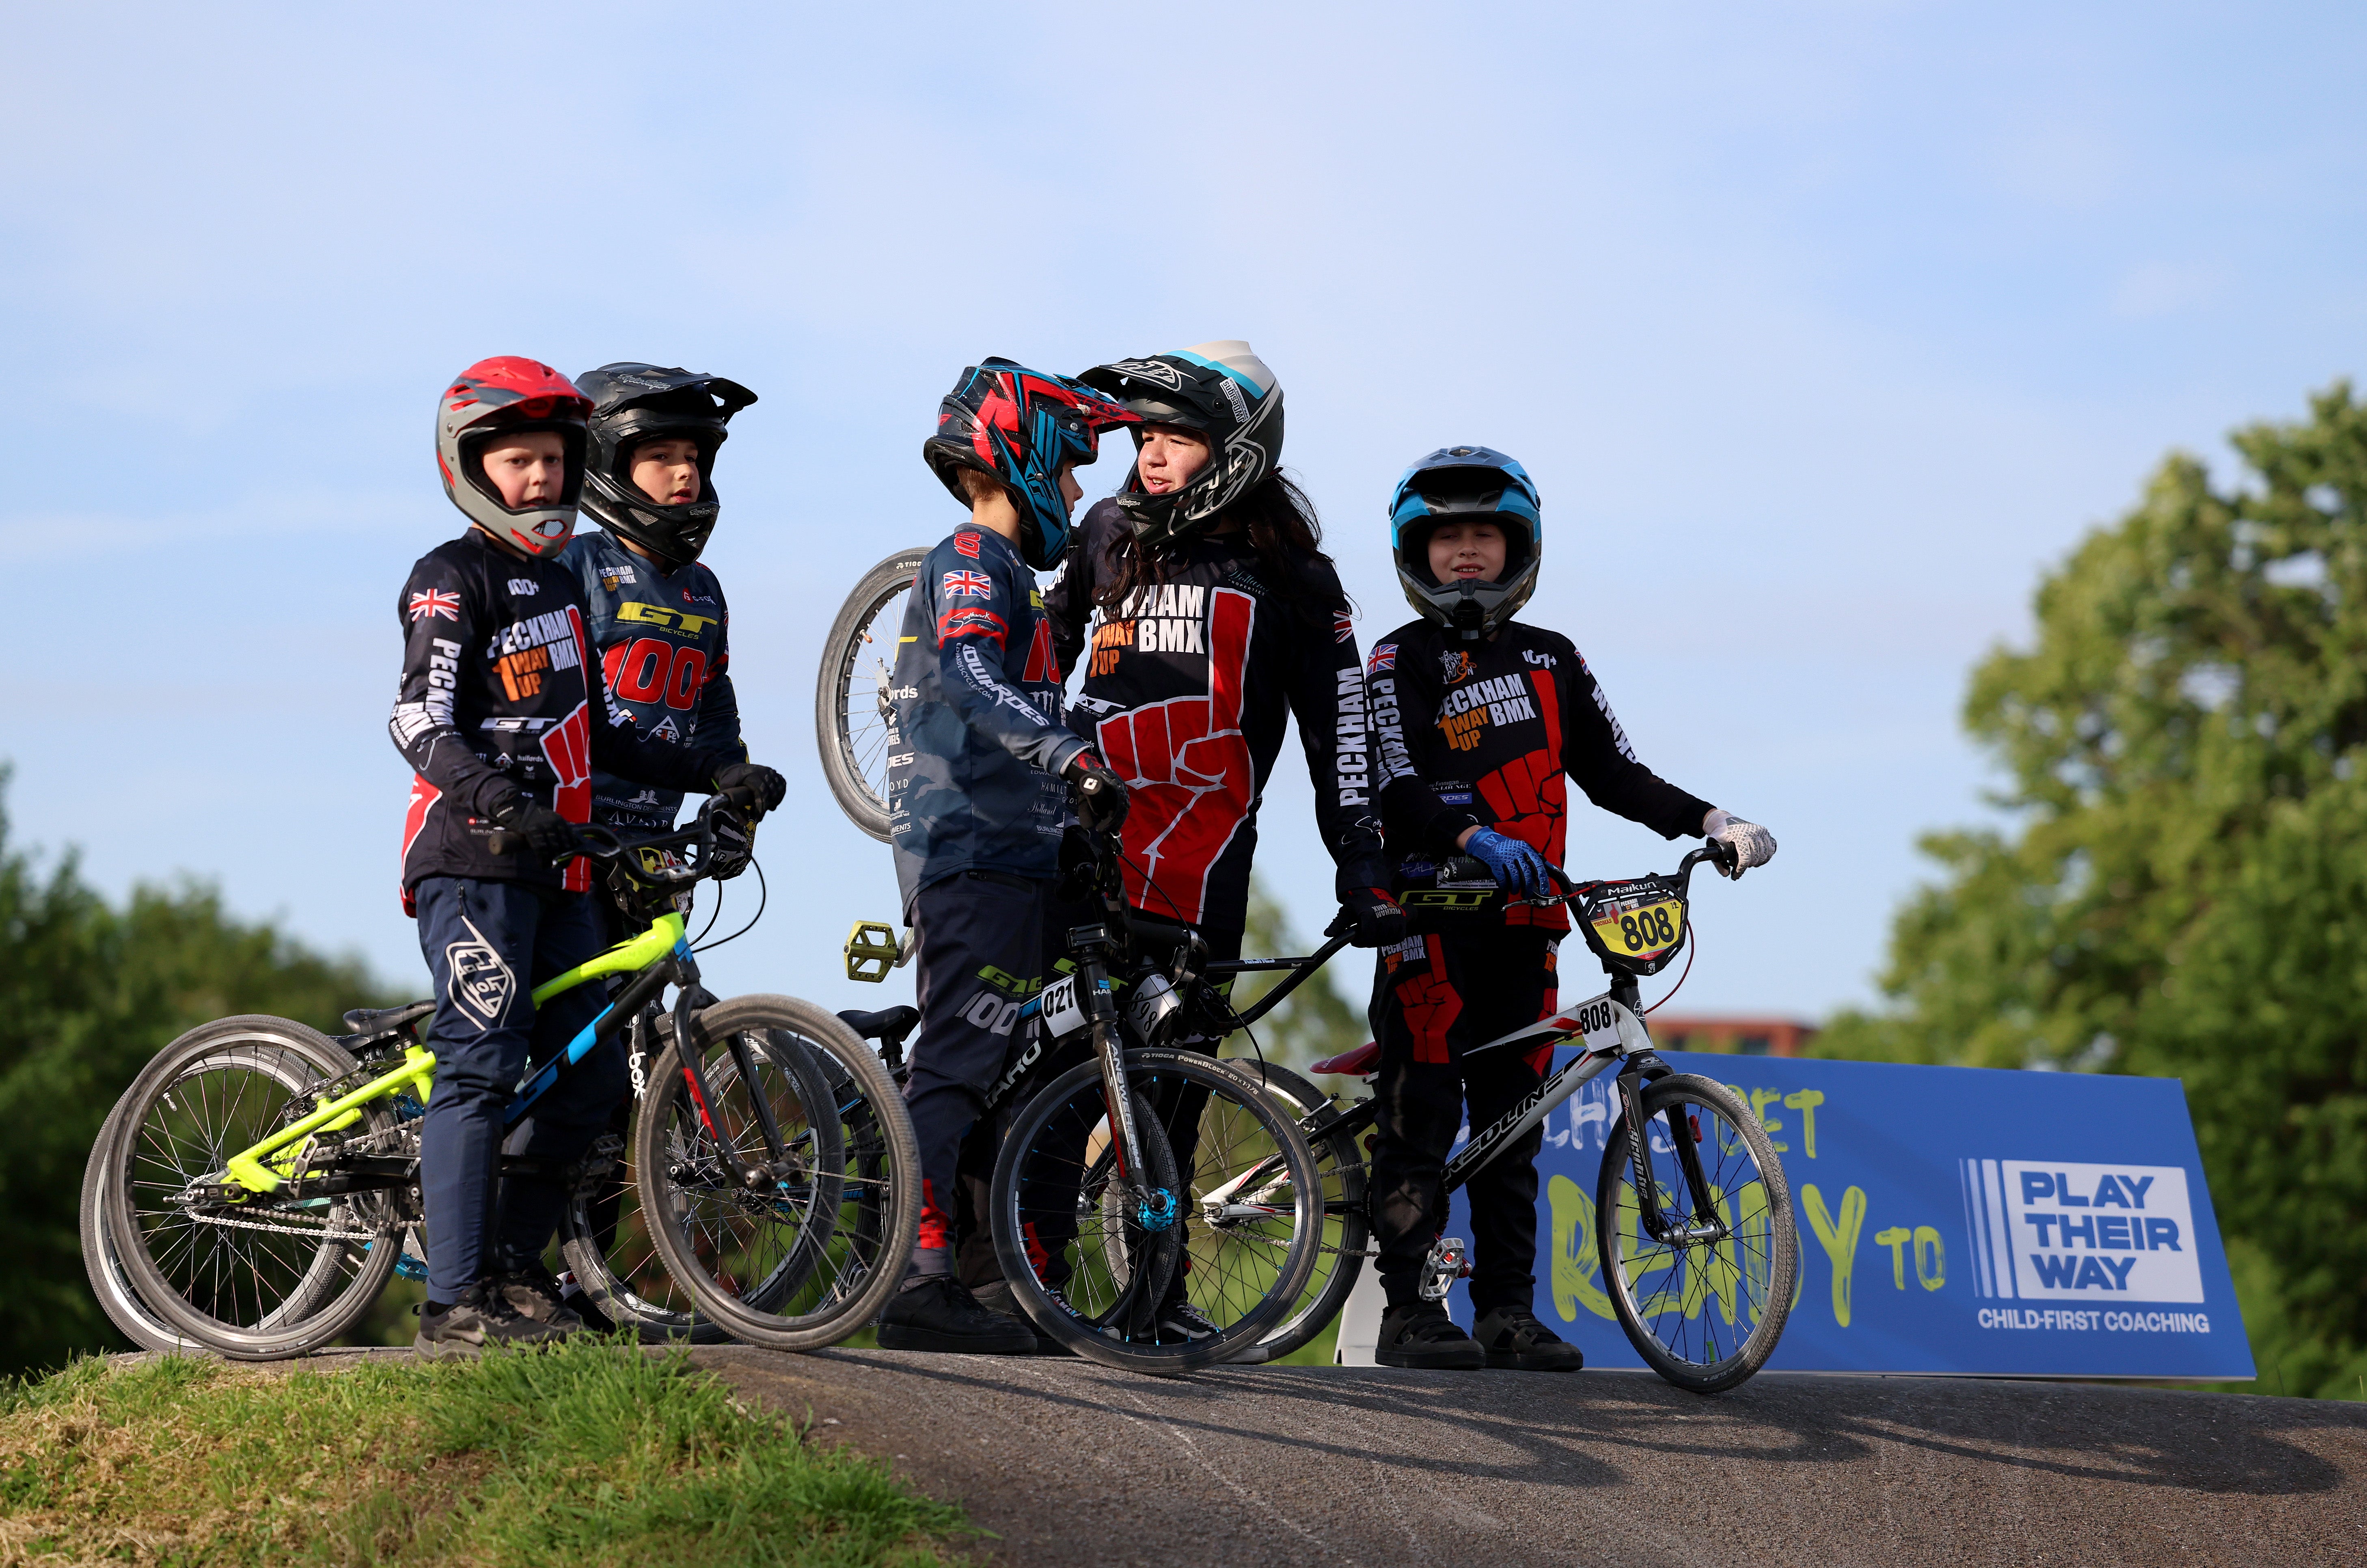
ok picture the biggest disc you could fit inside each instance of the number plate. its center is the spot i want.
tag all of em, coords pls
(1062, 1015)
(1643, 930)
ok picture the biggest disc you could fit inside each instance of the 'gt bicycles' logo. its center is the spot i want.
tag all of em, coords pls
(482, 982)
(2055, 1231)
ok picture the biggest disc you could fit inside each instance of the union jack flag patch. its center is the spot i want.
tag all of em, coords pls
(970, 585)
(1385, 657)
(1344, 629)
(435, 602)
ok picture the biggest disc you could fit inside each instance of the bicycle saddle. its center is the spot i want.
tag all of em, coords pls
(1353, 1064)
(888, 1025)
(385, 1020)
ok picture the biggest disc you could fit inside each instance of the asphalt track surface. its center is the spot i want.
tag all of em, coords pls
(1068, 1463)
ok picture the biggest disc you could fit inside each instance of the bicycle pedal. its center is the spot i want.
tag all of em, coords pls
(1449, 1260)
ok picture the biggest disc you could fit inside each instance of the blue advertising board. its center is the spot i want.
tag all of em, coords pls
(1951, 1220)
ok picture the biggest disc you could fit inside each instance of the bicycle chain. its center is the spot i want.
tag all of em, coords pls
(320, 1232)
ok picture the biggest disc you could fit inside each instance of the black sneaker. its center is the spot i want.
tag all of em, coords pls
(1514, 1340)
(1421, 1334)
(938, 1315)
(537, 1292)
(996, 1296)
(1179, 1319)
(482, 1316)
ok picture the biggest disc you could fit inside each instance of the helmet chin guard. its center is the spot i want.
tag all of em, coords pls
(508, 395)
(1466, 484)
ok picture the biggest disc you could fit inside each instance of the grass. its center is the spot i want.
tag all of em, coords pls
(589, 1453)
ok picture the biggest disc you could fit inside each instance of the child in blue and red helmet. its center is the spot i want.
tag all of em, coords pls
(976, 804)
(502, 722)
(1483, 722)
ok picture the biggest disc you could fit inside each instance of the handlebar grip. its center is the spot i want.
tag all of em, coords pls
(502, 841)
(740, 795)
(1464, 868)
(1342, 923)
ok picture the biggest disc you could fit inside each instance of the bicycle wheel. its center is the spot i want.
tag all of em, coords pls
(605, 1237)
(1248, 1217)
(853, 713)
(799, 1264)
(1342, 1170)
(109, 1281)
(1704, 1313)
(272, 1276)
(606, 1243)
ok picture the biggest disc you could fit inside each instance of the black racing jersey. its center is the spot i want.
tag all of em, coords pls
(1486, 734)
(664, 643)
(1186, 691)
(496, 699)
(978, 746)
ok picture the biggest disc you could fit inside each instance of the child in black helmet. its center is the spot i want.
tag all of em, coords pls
(1482, 722)
(975, 804)
(660, 626)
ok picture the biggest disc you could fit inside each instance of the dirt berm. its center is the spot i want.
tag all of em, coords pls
(1071, 1463)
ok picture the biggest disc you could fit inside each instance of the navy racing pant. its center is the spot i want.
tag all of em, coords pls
(978, 955)
(1435, 997)
(488, 945)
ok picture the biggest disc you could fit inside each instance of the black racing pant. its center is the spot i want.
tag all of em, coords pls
(1433, 999)
(487, 945)
(979, 951)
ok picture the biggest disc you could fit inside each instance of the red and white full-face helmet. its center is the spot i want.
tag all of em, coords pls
(502, 396)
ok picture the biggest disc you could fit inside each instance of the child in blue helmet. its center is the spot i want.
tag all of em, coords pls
(1483, 722)
(976, 805)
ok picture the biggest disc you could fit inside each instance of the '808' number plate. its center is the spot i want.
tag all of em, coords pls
(1640, 929)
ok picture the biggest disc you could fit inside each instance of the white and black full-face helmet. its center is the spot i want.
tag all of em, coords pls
(1466, 484)
(632, 403)
(1222, 390)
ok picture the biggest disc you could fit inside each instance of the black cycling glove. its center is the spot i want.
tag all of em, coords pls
(1101, 793)
(769, 787)
(548, 835)
(1380, 921)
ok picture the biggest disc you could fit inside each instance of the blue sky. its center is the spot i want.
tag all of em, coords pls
(1824, 328)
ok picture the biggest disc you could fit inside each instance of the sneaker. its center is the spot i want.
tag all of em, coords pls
(537, 1292)
(1421, 1334)
(1179, 1319)
(996, 1296)
(937, 1314)
(1514, 1340)
(482, 1316)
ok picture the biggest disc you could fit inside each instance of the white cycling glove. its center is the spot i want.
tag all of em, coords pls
(1752, 844)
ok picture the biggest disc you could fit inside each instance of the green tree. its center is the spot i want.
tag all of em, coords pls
(2183, 892)
(89, 993)
(1313, 1021)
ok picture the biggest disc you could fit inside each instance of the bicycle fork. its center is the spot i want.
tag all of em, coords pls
(779, 1165)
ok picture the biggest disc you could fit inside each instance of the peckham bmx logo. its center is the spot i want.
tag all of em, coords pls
(2100, 1237)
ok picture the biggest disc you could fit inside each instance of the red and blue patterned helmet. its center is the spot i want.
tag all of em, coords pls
(505, 395)
(1021, 426)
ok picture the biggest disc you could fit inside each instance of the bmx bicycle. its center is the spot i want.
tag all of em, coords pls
(255, 1188)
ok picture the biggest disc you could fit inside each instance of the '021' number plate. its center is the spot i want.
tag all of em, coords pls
(1644, 931)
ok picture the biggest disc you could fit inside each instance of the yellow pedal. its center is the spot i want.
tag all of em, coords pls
(871, 950)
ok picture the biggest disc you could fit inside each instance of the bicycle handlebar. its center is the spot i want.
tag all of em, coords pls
(599, 843)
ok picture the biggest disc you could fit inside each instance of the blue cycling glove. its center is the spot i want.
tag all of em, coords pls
(1516, 867)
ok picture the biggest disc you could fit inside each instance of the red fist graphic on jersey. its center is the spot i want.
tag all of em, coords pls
(1189, 777)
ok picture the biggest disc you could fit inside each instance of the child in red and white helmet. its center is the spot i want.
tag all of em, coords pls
(503, 721)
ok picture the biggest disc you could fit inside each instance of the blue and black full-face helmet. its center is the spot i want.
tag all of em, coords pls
(1466, 484)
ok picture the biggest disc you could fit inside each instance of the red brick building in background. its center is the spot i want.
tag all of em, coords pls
(1738, 1036)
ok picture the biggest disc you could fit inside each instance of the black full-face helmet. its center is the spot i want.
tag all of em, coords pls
(632, 403)
(1220, 390)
